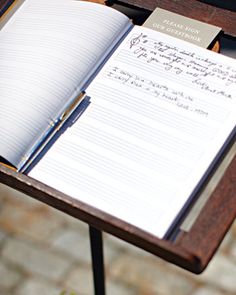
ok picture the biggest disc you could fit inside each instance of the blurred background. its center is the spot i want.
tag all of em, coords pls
(46, 252)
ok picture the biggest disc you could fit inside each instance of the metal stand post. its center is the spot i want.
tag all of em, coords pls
(96, 245)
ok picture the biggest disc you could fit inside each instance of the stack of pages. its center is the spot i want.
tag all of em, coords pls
(157, 114)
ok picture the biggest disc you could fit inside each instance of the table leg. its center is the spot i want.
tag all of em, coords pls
(96, 245)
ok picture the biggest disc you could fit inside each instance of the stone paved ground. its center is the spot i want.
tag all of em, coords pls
(44, 252)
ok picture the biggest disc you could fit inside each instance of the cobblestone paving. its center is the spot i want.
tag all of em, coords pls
(45, 252)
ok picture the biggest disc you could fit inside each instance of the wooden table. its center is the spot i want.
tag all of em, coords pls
(193, 249)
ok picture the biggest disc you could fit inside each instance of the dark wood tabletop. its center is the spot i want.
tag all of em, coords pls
(224, 18)
(192, 250)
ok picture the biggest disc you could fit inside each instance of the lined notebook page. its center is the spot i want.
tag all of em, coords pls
(48, 50)
(161, 109)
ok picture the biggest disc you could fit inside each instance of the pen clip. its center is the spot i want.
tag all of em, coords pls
(72, 106)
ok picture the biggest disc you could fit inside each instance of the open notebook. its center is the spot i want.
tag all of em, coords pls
(157, 114)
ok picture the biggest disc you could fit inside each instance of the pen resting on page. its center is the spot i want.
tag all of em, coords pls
(57, 126)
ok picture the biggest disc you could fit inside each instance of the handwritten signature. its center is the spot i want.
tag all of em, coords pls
(207, 74)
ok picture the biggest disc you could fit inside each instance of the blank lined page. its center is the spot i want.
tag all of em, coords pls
(161, 110)
(48, 51)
